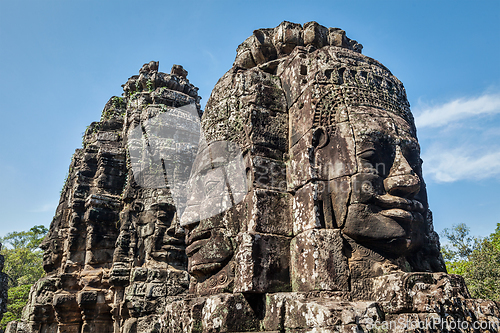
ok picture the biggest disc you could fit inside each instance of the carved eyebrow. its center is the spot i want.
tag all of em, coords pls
(366, 150)
(376, 134)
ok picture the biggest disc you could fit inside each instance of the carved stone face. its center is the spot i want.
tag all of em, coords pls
(168, 236)
(157, 236)
(338, 125)
(217, 184)
(388, 195)
(52, 253)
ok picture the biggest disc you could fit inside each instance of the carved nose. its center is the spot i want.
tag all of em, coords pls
(402, 180)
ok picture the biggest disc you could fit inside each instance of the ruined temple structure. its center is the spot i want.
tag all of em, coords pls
(115, 250)
(332, 231)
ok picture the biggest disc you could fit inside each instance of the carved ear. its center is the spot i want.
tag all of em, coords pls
(319, 137)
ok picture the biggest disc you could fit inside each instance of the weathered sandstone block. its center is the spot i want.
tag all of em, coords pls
(294, 203)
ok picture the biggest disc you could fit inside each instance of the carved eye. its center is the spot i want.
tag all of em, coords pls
(367, 154)
(367, 158)
(210, 187)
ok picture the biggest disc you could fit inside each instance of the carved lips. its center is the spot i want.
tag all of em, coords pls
(405, 210)
(208, 251)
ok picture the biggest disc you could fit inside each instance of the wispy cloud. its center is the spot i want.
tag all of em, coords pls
(48, 207)
(461, 164)
(459, 109)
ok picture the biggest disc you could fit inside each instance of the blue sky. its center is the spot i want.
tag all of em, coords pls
(60, 61)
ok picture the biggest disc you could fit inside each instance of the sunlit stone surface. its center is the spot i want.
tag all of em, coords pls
(297, 204)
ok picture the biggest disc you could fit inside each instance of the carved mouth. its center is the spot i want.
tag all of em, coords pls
(401, 209)
(170, 247)
(196, 241)
(167, 240)
(403, 243)
(392, 202)
(402, 215)
(400, 239)
(196, 235)
(205, 268)
(195, 247)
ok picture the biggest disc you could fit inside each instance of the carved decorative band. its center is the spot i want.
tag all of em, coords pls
(346, 97)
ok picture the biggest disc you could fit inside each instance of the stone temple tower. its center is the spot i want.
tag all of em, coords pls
(294, 203)
(115, 251)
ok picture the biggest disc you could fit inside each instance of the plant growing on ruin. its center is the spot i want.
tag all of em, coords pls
(150, 85)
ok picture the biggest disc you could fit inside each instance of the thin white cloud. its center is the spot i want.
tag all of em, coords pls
(48, 207)
(461, 164)
(459, 109)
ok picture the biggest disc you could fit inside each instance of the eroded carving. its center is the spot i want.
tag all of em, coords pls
(301, 208)
(336, 207)
(115, 250)
(326, 133)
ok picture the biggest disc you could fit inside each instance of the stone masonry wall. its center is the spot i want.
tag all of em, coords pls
(327, 229)
(114, 252)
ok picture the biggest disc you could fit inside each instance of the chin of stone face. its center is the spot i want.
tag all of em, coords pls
(294, 202)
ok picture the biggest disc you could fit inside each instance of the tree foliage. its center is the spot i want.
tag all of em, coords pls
(18, 297)
(461, 244)
(23, 265)
(476, 259)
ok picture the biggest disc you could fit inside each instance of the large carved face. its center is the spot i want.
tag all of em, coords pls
(216, 186)
(339, 126)
(388, 196)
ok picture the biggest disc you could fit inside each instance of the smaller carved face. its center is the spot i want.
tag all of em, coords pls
(52, 253)
(168, 236)
(152, 226)
(388, 196)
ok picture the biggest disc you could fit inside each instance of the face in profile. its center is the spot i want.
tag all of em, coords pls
(388, 199)
(51, 253)
(168, 236)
